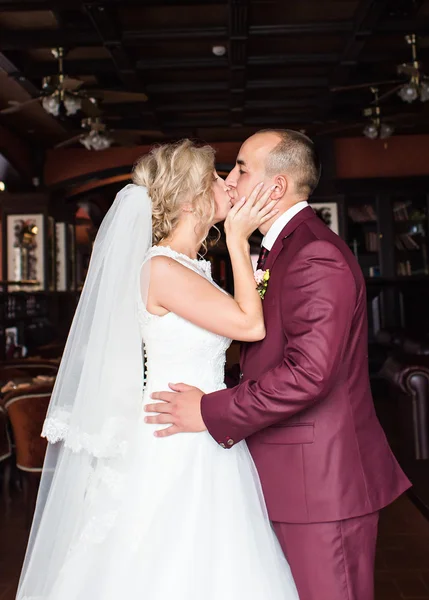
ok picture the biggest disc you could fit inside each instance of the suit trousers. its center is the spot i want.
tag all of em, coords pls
(334, 560)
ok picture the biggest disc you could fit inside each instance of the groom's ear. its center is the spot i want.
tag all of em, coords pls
(280, 190)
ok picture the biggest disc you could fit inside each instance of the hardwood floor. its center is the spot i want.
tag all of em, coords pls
(402, 565)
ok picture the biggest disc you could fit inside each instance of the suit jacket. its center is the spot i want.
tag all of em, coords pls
(304, 403)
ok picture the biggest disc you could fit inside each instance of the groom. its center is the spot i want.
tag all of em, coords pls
(304, 402)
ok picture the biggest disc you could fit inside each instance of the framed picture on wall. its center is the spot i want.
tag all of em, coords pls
(61, 257)
(71, 254)
(328, 212)
(51, 253)
(11, 340)
(25, 251)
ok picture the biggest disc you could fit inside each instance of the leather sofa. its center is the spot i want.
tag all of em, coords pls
(405, 414)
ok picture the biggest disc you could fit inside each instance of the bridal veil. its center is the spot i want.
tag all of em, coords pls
(97, 395)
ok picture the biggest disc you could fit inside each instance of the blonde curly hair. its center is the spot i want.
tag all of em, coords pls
(173, 175)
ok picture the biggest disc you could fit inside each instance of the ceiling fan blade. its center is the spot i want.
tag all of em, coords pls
(90, 108)
(71, 85)
(68, 142)
(408, 69)
(124, 138)
(388, 94)
(361, 86)
(20, 106)
(403, 117)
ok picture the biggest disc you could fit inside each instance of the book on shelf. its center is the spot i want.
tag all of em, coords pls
(404, 211)
(400, 211)
(372, 241)
(362, 214)
(404, 241)
(403, 268)
(374, 271)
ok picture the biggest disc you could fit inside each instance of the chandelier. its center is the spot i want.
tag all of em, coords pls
(375, 128)
(64, 99)
(52, 104)
(417, 86)
(97, 138)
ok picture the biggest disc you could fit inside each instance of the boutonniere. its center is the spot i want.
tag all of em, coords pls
(262, 278)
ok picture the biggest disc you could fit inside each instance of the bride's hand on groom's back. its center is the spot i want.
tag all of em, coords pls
(250, 213)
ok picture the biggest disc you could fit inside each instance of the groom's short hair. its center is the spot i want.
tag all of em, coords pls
(295, 154)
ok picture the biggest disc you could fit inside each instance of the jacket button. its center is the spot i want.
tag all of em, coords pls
(241, 375)
(222, 445)
(230, 442)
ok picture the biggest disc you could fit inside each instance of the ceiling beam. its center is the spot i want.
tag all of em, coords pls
(47, 38)
(405, 26)
(187, 87)
(135, 109)
(207, 121)
(86, 36)
(89, 67)
(27, 5)
(220, 86)
(309, 58)
(217, 32)
(318, 27)
(238, 32)
(219, 62)
(15, 73)
(30, 5)
(40, 69)
(105, 21)
(284, 83)
(368, 16)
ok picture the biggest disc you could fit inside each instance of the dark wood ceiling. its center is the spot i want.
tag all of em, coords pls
(151, 64)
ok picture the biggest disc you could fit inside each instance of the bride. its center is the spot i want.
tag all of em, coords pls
(121, 513)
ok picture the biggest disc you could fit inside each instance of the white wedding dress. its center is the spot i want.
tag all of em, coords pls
(177, 518)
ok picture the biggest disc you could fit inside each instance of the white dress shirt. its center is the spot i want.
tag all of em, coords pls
(275, 229)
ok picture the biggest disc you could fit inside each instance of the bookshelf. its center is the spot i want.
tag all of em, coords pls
(38, 292)
(386, 225)
(363, 235)
(410, 218)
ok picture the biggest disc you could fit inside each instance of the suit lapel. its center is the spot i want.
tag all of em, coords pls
(303, 215)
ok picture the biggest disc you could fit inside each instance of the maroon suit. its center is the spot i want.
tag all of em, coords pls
(305, 408)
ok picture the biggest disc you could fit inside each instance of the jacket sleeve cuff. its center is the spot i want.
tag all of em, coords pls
(214, 408)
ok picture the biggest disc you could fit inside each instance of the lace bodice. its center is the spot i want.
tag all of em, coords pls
(178, 351)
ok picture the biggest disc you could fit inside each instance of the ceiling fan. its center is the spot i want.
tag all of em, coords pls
(376, 127)
(373, 125)
(96, 137)
(60, 94)
(418, 84)
(412, 85)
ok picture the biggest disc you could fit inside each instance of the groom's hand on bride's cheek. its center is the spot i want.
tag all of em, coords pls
(180, 408)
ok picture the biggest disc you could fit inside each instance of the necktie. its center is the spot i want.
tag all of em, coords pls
(263, 255)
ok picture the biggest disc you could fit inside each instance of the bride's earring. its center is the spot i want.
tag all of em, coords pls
(187, 208)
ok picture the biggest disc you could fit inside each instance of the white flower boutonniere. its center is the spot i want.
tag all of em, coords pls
(262, 278)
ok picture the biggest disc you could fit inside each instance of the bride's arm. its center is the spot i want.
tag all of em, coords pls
(177, 289)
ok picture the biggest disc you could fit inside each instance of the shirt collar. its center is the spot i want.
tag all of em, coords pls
(276, 228)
